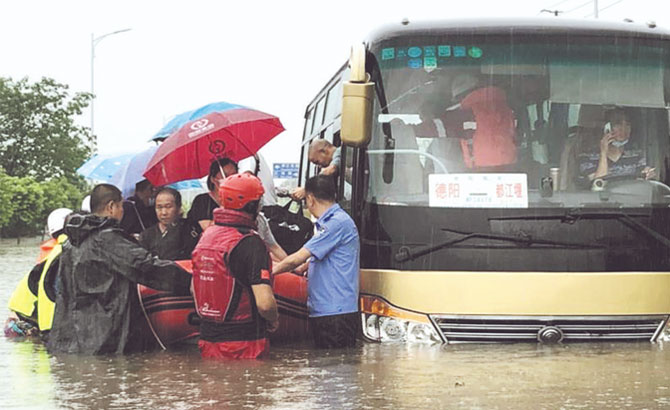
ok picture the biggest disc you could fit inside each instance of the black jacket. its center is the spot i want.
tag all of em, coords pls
(97, 303)
(175, 244)
(136, 216)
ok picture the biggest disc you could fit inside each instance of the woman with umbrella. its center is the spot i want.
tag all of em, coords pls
(202, 209)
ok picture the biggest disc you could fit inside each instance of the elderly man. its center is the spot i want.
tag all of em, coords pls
(173, 237)
(325, 155)
(97, 308)
(332, 290)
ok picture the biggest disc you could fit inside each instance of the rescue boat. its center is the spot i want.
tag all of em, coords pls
(174, 320)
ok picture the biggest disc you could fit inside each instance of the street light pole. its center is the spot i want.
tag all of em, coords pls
(94, 42)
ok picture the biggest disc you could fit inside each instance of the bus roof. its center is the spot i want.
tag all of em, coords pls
(540, 25)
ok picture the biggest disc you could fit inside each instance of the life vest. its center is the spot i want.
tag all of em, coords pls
(492, 143)
(45, 249)
(213, 283)
(46, 306)
(23, 299)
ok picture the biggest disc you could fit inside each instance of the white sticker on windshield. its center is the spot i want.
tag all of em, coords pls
(478, 190)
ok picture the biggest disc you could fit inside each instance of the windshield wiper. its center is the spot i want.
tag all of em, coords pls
(405, 254)
(574, 215)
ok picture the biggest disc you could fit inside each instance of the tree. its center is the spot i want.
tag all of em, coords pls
(38, 134)
(6, 194)
(28, 202)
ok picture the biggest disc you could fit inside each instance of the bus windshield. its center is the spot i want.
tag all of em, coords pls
(499, 122)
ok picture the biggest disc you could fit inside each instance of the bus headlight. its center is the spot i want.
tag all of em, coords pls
(383, 322)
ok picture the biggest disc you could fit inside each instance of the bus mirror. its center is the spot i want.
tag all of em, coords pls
(356, 113)
(357, 101)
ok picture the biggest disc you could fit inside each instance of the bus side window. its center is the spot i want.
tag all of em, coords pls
(344, 178)
(304, 165)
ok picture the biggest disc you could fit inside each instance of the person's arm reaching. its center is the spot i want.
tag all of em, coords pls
(138, 265)
(292, 261)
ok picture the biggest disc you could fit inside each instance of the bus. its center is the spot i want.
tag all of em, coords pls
(509, 179)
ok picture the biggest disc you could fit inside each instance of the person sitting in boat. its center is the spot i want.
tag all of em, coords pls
(32, 302)
(97, 308)
(202, 209)
(138, 210)
(173, 237)
(231, 277)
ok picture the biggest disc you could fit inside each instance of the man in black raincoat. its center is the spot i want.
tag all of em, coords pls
(97, 304)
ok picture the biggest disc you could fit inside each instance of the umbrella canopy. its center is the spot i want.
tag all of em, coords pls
(236, 133)
(180, 119)
(130, 173)
(103, 167)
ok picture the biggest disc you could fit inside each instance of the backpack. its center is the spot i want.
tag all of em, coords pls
(291, 230)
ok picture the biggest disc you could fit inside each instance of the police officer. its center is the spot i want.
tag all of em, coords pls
(333, 252)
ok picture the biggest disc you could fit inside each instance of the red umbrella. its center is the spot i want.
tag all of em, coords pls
(234, 133)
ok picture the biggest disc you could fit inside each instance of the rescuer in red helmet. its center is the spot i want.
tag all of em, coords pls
(231, 276)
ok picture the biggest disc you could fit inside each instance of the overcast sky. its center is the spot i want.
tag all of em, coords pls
(270, 55)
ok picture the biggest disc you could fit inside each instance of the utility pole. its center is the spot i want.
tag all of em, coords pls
(595, 8)
(94, 42)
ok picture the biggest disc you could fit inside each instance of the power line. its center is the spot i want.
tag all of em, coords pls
(606, 7)
(579, 7)
(548, 8)
(557, 4)
(611, 5)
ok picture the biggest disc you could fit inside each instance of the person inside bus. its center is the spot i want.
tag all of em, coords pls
(324, 154)
(173, 237)
(202, 209)
(615, 155)
(484, 122)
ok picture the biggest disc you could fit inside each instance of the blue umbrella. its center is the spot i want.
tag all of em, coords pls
(179, 120)
(130, 174)
(103, 167)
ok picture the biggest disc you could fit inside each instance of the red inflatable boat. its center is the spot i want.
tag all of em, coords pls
(173, 319)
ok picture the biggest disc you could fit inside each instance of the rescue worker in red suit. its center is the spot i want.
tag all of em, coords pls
(231, 277)
(488, 135)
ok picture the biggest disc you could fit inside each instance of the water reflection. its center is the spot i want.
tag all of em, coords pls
(631, 375)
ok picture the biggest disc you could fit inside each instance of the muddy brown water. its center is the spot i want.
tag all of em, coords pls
(579, 376)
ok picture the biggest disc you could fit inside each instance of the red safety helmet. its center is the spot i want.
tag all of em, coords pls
(239, 189)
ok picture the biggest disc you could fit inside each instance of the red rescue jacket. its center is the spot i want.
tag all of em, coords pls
(213, 283)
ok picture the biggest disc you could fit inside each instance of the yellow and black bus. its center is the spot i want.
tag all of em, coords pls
(509, 179)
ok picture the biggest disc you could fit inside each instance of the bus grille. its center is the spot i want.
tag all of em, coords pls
(508, 329)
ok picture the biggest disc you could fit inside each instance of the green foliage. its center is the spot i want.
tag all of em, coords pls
(41, 147)
(28, 201)
(6, 203)
(38, 134)
(25, 203)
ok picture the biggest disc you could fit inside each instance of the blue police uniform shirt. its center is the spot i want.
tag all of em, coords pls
(333, 281)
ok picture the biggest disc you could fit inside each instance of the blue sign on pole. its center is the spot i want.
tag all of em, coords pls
(285, 170)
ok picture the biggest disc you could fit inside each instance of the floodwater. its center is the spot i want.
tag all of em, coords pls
(583, 376)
